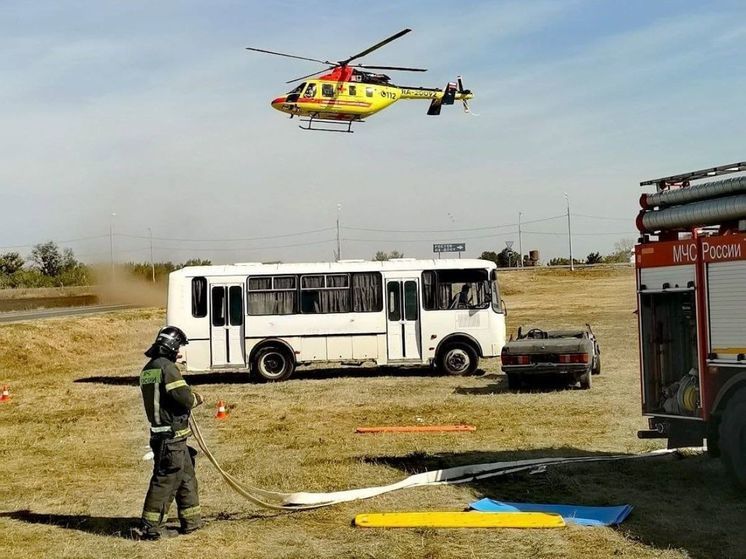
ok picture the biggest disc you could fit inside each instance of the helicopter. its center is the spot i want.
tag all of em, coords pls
(349, 93)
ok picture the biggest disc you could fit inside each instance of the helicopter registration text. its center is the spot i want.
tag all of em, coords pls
(419, 93)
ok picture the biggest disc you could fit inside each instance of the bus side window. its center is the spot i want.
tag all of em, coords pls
(199, 297)
(410, 300)
(456, 289)
(367, 293)
(327, 293)
(428, 290)
(393, 294)
(235, 303)
(218, 306)
(271, 295)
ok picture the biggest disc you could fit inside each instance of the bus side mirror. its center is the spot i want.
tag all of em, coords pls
(493, 275)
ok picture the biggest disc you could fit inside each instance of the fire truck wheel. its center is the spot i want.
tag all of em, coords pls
(733, 437)
(273, 364)
(458, 359)
(712, 435)
(586, 380)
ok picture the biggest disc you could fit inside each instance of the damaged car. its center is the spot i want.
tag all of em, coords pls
(570, 353)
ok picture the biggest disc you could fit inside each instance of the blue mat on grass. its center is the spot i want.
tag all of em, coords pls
(575, 514)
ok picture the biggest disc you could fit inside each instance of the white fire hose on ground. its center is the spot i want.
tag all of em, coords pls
(460, 474)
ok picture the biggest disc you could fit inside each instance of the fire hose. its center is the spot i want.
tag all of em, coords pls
(460, 474)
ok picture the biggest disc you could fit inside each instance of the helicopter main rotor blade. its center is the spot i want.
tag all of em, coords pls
(374, 47)
(400, 68)
(309, 75)
(290, 55)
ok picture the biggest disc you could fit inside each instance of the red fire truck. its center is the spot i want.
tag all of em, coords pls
(691, 302)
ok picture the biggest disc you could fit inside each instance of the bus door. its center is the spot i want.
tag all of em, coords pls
(227, 325)
(403, 312)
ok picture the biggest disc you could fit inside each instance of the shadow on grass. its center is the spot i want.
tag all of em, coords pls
(122, 527)
(302, 374)
(116, 526)
(679, 503)
(536, 384)
(363, 372)
(193, 379)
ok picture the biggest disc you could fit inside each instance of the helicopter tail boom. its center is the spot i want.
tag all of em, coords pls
(452, 92)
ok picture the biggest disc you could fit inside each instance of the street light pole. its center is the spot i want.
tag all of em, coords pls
(569, 231)
(111, 242)
(520, 240)
(152, 263)
(339, 241)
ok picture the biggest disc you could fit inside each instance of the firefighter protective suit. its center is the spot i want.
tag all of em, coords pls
(168, 402)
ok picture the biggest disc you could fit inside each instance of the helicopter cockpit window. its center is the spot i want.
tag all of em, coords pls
(298, 90)
(353, 90)
(369, 92)
(327, 90)
(310, 91)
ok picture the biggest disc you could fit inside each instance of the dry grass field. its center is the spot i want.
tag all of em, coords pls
(72, 440)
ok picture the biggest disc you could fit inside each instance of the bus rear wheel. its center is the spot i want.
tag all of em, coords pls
(732, 440)
(273, 364)
(458, 359)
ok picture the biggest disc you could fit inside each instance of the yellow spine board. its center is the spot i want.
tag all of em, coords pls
(459, 520)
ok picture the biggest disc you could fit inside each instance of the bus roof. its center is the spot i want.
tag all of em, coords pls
(399, 264)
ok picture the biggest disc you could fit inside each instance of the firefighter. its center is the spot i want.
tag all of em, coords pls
(168, 403)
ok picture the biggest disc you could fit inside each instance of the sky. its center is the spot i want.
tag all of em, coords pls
(155, 112)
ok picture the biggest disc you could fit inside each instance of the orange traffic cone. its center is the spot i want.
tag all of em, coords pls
(5, 396)
(222, 414)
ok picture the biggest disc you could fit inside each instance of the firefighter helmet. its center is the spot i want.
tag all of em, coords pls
(171, 338)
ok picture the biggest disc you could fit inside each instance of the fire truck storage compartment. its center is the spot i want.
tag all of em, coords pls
(669, 352)
(727, 309)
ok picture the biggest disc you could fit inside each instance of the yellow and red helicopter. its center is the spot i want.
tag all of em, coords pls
(348, 93)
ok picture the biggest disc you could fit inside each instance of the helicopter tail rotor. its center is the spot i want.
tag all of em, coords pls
(465, 96)
(451, 92)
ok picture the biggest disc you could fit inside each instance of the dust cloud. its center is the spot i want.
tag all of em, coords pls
(124, 288)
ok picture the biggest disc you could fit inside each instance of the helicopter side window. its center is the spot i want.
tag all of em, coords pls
(369, 92)
(310, 91)
(327, 90)
(352, 90)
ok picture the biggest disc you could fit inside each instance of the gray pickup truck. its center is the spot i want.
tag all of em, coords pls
(573, 353)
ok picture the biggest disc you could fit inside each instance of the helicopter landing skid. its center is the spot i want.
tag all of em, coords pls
(342, 125)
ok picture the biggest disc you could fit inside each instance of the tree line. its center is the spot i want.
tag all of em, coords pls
(508, 258)
(45, 266)
(48, 265)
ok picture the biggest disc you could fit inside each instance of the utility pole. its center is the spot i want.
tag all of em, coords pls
(111, 242)
(569, 231)
(520, 240)
(152, 263)
(339, 241)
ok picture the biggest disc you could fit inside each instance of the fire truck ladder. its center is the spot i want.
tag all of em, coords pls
(684, 179)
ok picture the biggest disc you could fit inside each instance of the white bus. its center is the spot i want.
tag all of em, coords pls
(269, 318)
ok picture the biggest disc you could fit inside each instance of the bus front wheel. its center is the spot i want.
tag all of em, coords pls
(273, 364)
(458, 359)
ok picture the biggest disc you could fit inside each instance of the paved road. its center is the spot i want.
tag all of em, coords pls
(38, 314)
